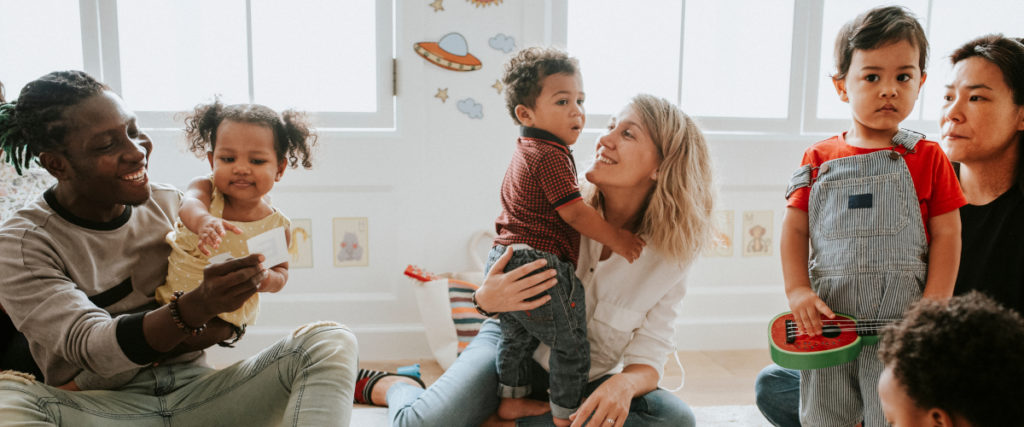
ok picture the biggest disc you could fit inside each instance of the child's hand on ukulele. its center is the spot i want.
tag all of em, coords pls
(210, 230)
(807, 309)
(628, 245)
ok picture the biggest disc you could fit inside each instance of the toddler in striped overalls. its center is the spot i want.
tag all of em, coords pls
(879, 206)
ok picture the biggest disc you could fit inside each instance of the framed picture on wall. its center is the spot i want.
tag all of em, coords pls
(351, 238)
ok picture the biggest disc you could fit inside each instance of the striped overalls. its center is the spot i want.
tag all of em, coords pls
(869, 259)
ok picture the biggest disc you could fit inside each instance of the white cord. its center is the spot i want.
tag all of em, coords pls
(682, 373)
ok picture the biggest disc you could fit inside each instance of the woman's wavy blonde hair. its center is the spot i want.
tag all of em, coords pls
(677, 216)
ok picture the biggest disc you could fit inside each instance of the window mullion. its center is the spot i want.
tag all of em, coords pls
(248, 46)
(799, 54)
(109, 44)
(92, 58)
(682, 48)
(812, 72)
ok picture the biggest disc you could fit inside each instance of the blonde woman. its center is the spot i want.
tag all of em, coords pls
(651, 175)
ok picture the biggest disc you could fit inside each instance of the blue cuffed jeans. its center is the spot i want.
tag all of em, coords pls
(305, 379)
(464, 395)
(777, 392)
(560, 324)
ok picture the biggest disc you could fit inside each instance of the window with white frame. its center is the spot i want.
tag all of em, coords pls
(759, 66)
(330, 58)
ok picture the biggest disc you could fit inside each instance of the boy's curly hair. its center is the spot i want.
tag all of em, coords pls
(294, 138)
(525, 71)
(877, 28)
(965, 356)
(34, 123)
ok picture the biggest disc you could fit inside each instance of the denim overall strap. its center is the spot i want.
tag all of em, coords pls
(869, 259)
(801, 178)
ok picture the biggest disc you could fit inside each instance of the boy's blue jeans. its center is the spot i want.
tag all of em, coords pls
(560, 324)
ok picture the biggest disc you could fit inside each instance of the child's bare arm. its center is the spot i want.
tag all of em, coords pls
(803, 302)
(943, 255)
(589, 223)
(195, 215)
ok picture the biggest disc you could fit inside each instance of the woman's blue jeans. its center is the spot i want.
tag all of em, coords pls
(467, 394)
(777, 391)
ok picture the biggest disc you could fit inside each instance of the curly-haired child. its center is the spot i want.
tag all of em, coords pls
(542, 217)
(248, 146)
(954, 363)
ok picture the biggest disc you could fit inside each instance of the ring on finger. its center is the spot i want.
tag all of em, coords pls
(609, 420)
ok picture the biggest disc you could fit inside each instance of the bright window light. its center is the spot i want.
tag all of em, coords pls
(315, 55)
(177, 54)
(39, 37)
(736, 58)
(624, 49)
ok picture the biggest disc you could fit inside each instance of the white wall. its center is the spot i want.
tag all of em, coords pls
(429, 185)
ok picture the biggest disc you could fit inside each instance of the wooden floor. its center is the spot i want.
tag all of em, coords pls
(713, 378)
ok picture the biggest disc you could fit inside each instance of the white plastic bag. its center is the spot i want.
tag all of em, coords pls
(432, 297)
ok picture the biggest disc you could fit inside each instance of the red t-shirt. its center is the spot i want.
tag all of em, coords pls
(938, 190)
(540, 180)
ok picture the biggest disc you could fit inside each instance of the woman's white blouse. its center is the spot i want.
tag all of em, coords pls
(631, 309)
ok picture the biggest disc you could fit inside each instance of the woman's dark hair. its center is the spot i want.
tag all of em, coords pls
(1007, 54)
(877, 28)
(293, 136)
(930, 351)
(34, 123)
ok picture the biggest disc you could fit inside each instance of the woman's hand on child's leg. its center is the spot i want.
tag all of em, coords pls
(807, 308)
(503, 292)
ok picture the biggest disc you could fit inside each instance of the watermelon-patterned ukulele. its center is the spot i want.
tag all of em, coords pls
(840, 341)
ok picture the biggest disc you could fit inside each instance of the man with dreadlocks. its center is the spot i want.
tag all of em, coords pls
(78, 270)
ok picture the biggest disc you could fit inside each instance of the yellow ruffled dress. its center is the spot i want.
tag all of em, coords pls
(186, 262)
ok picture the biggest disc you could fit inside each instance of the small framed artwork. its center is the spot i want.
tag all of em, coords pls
(351, 238)
(301, 246)
(757, 233)
(723, 224)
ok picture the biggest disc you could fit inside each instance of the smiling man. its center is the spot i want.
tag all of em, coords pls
(78, 270)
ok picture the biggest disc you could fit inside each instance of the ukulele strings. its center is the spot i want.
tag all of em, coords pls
(845, 325)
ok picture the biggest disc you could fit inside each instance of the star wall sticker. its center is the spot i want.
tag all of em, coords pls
(442, 94)
(498, 86)
(437, 5)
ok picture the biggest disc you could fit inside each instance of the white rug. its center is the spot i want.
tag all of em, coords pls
(707, 416)
(729, 416)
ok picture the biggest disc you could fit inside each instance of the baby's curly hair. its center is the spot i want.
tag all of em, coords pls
(965, 356)
(525, 71)
(294, 138)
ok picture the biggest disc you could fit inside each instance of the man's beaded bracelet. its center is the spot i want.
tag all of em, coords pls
(176, 315)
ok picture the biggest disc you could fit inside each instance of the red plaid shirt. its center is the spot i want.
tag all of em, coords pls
(540, 180)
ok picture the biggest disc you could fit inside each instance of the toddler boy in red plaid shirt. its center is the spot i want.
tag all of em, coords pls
(543, 216)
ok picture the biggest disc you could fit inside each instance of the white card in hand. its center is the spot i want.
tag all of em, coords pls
(219, 258)
(272, 245)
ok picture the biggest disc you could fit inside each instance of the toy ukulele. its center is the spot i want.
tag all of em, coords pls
(840, 341)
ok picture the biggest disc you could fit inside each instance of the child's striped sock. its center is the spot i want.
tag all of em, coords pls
(366, 379)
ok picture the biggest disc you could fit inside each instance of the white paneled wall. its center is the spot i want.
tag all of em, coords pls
(429, 185)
